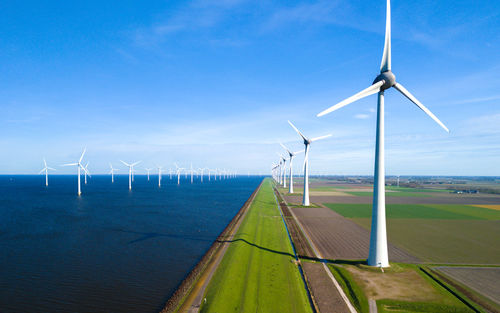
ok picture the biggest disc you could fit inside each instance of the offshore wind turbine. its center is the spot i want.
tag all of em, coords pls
(191, 173)
(112, 172)
(290, 165)
(130, 172)
(307, 143)
(80, 167)
(148, 170)
(46, 170)
(178, 171)
(159, 175)
(86, 172)
(378, 254)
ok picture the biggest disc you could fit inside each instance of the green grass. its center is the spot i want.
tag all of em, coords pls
(393, 306)
(445, 302)
(258, 273)
(427, 211)
(409, 189)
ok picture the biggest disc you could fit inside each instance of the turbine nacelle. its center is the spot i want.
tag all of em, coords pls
(388, 78)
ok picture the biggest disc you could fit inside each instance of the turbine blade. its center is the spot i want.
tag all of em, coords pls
(282, 145)
(70, 164)
(298, 131)
(408, 95)
(126, 164)
(306, 157)
(360, 95)
(321, 137)
(83, 153)
(41, 171)
(385, 65)
(300, 151)
(50, 168)
(44, 162)
(134, 164)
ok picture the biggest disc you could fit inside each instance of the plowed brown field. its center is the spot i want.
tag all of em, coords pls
(337, 237)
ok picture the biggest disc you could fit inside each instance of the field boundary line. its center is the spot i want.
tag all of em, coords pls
(323, 261)
(299, 266)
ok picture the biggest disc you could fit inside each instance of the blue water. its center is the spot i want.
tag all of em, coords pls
(110, 250)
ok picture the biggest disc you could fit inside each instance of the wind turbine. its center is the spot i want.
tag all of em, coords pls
(86, 172)
(112, 172)
(307, 143)
(378, 255)
(290, 165)
(192, 173)
(80, 167)
(178, 171)
(46, 170)
(201, 171)
(283, 173)
(130, 172)
(159, 175)
(148, 170)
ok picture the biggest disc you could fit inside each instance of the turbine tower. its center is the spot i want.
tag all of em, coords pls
(307, 143)
(378, 255)
(290, 165)
(159, 175)
(148, 170)
(46, 170)
(178, 171)
(112, 172)
(130, 172)
(283, 172)
(80, 167)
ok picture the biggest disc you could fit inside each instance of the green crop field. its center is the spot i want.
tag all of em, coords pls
(393, 194)
(258, 273)
(426, 211)
(439, 233)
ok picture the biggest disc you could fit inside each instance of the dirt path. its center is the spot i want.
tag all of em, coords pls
(325, 290)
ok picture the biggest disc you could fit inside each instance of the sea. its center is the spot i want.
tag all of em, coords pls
(111, 249)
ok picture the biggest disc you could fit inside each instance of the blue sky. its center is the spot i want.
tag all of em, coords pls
(214, 82)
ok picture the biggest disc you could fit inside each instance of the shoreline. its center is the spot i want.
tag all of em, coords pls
(185, 288)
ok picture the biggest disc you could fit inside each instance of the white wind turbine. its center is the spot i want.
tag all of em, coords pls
(159, 175)
(283, 172)
(46, 170)
(112, 172)
(130, 172)
(178, 172)
(307, 143)
(86, 172)
(80, 167)
(201, 171)
(192, 171)
(290, 165)
(148, 170)
(378, 255)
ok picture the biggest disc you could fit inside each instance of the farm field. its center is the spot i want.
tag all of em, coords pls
(437, 233)
(337, 237)
(258, 267)
(483, 280)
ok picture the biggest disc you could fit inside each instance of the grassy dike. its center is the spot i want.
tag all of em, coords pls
(258, 271)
